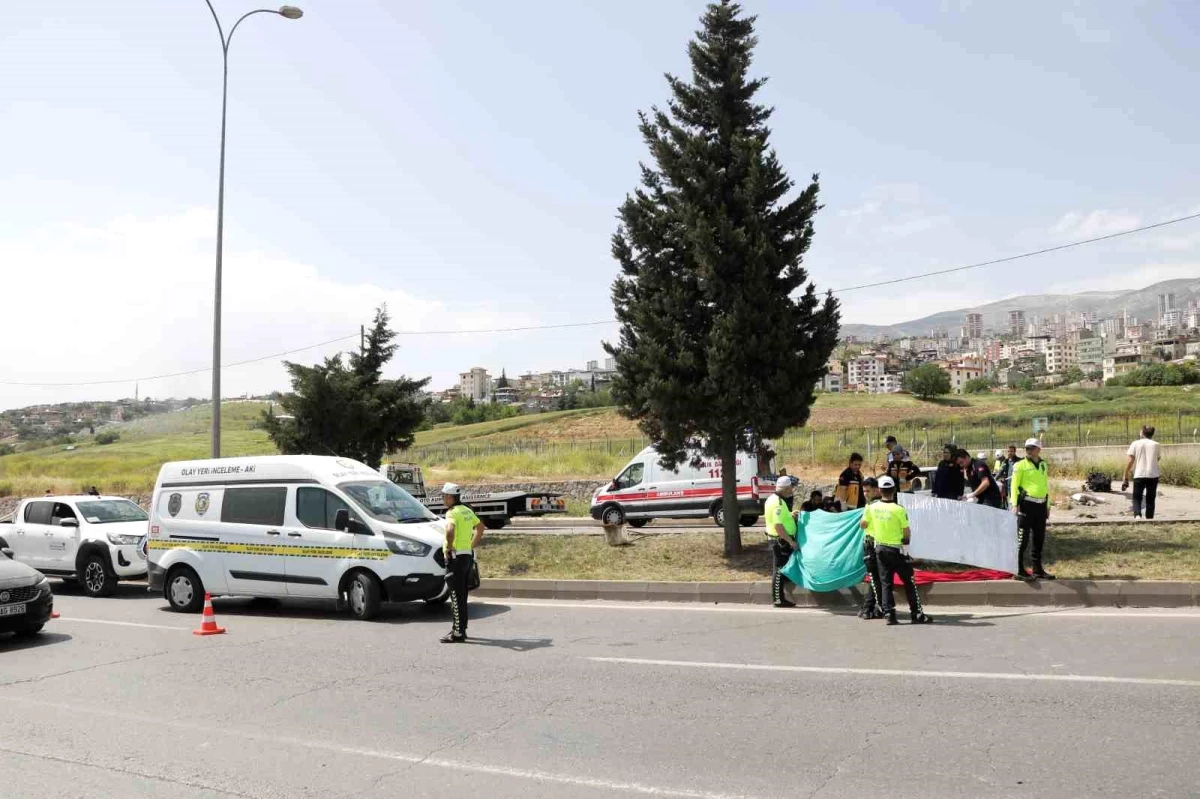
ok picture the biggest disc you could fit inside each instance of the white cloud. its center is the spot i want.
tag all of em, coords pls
(912, 224)
(894, 210)
(1077, 225)
(133, 297)
(1083, 30)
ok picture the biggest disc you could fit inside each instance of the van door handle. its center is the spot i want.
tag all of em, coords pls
(294, 535)
(272, 532)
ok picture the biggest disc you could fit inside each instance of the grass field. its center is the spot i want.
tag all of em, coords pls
(1161, 552)
(594, 444)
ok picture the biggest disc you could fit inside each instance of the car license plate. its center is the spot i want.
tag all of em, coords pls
(12, 610)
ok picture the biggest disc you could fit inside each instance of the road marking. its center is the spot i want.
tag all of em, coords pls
(962, 675)
(698, 607)
(69, 619)
(533, 775)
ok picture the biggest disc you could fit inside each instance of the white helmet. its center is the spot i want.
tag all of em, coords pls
(1032, 442)
(886, 482)
(784, 481)
(999, 453)
(980, 455)
(452, 489)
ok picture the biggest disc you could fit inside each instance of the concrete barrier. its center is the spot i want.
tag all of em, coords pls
(993, 593)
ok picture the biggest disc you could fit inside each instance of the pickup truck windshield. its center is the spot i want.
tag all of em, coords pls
(103, 511)
(387, 502)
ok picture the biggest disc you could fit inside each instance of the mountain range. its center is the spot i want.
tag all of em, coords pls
(1140, 303)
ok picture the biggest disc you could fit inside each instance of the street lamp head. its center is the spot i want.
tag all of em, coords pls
(290, 12)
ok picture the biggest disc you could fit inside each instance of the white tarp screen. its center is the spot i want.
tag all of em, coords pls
(961, 532)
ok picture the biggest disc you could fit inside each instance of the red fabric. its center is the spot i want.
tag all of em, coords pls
(922, 577)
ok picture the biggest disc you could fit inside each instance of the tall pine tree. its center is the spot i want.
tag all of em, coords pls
(350, 410)
(722, 339)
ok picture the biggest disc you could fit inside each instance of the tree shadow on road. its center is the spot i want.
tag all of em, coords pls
(124, 590)
(325, 609)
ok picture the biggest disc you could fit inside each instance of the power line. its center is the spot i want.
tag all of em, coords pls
(993, 262)
(1010, 258)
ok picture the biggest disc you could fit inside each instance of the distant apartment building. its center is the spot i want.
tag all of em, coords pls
(864, 369)
(1127, 357)
(506, 396)
(962, 371)
(1038, 344)
(1166, 304)
(1090, 353)
(973, 325)
(832, 382)
(475, 384)
(1114, 328)
(610, 364)
(1016, 323)
(1061, 355)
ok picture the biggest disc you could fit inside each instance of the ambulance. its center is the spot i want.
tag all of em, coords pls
(644, 490)
(291, 526)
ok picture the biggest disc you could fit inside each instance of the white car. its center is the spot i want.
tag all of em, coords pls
(292, 526)
(94, 540)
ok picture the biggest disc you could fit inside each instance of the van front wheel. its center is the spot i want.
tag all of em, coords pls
(363, 595)
(183, 590)
(613, 516)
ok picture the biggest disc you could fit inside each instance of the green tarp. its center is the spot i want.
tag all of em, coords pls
(831, 551)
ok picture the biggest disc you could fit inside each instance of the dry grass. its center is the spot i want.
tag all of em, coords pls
(1159, 552)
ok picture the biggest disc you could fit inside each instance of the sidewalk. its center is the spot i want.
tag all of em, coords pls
(1004, 593)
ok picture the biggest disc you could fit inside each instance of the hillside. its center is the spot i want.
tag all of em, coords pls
(584, 443)
(1141, 303)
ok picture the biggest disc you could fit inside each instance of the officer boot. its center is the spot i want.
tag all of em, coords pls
(921, 618)
(891, 618)
(1040, 573)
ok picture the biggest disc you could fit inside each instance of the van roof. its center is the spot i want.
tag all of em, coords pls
(264, 469)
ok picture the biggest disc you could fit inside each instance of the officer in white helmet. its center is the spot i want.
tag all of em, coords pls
(781, 531)
(886, 522)
(463, 531)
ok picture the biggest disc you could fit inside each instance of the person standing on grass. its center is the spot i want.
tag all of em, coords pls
(886, 522)
(850, 485)
(781, 532)
(463, 532)
(1030, 499)
(1144, 455)
(948, 481)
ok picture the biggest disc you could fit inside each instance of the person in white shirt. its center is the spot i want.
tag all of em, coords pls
(1144, 455)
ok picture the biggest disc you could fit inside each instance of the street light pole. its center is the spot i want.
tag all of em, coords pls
(287, 12)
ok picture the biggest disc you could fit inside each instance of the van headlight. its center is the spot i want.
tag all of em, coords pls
(122, 540)
(407, 546)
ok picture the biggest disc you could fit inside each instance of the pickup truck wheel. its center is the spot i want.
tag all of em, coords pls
(183, 590)
(639, 523)
(363, 595)
(613, 516)
(440, 599)
(495, 522)
(96, 579)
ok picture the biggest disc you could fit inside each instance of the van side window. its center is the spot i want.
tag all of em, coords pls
(317, 508)
(632, 476)
(39, 512)
(254, 505)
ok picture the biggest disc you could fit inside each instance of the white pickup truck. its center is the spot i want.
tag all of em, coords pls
(93, 540)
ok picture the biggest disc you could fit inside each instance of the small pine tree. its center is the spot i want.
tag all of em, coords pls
(723, 340)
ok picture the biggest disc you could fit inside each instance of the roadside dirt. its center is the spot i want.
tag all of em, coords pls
(1174, 502)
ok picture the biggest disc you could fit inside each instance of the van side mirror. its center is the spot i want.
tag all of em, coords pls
(68, 522)
(343, 522)
(613, 485)
(8, 553)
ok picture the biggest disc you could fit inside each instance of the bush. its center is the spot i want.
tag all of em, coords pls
(107, 437)
(927, 380)
(978, 385)
(7, 449)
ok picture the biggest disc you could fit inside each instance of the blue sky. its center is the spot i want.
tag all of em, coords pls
(463, 161)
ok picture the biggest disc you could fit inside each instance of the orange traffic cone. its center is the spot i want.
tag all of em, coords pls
(54, 614)
(209, 624)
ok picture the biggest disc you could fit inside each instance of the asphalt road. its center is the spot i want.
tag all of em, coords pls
(117, 698)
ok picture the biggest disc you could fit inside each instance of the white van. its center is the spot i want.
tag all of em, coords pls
(644, 491)
(291, 526)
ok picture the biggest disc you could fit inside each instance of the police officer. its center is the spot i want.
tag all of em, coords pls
(886, 522)
(781, 531)
(983, 486)
(1030, 497)
(463, 531)
(870, 607)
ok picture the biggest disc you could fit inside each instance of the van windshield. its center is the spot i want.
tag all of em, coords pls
(387, 502)
(103, 511)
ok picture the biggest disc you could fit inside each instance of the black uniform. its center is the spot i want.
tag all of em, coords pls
(948, 482)
(874, 601)
(977, 472)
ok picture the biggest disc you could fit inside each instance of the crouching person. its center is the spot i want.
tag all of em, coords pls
(886, 522)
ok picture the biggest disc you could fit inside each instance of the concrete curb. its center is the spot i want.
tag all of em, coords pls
(1003, 593)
